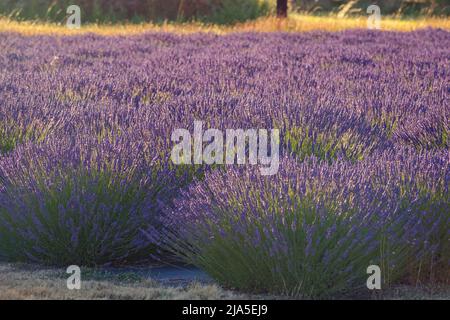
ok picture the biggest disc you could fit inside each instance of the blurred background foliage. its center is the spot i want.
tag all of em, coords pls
(208, 11)
(388, 7)
(217, 11)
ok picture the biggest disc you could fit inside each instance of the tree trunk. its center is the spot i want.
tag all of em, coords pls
(282, 8)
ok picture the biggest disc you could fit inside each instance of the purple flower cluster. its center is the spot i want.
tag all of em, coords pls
(85, 129)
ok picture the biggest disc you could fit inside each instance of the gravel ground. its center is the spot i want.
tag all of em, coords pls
(18, 281)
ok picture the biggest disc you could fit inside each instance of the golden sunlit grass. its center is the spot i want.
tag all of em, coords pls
(295, 23)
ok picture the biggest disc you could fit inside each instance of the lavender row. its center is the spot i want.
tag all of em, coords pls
(350, 93)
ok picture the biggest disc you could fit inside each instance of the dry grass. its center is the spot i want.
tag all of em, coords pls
(295, 23)
(31, 282)
(27, 282)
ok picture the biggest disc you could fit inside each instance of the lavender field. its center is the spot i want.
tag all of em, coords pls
(86, 175)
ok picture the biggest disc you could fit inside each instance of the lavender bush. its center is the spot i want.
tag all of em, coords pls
(313, 229)
(79, 201)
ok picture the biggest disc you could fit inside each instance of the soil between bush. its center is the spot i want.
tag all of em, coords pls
(23, 281)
